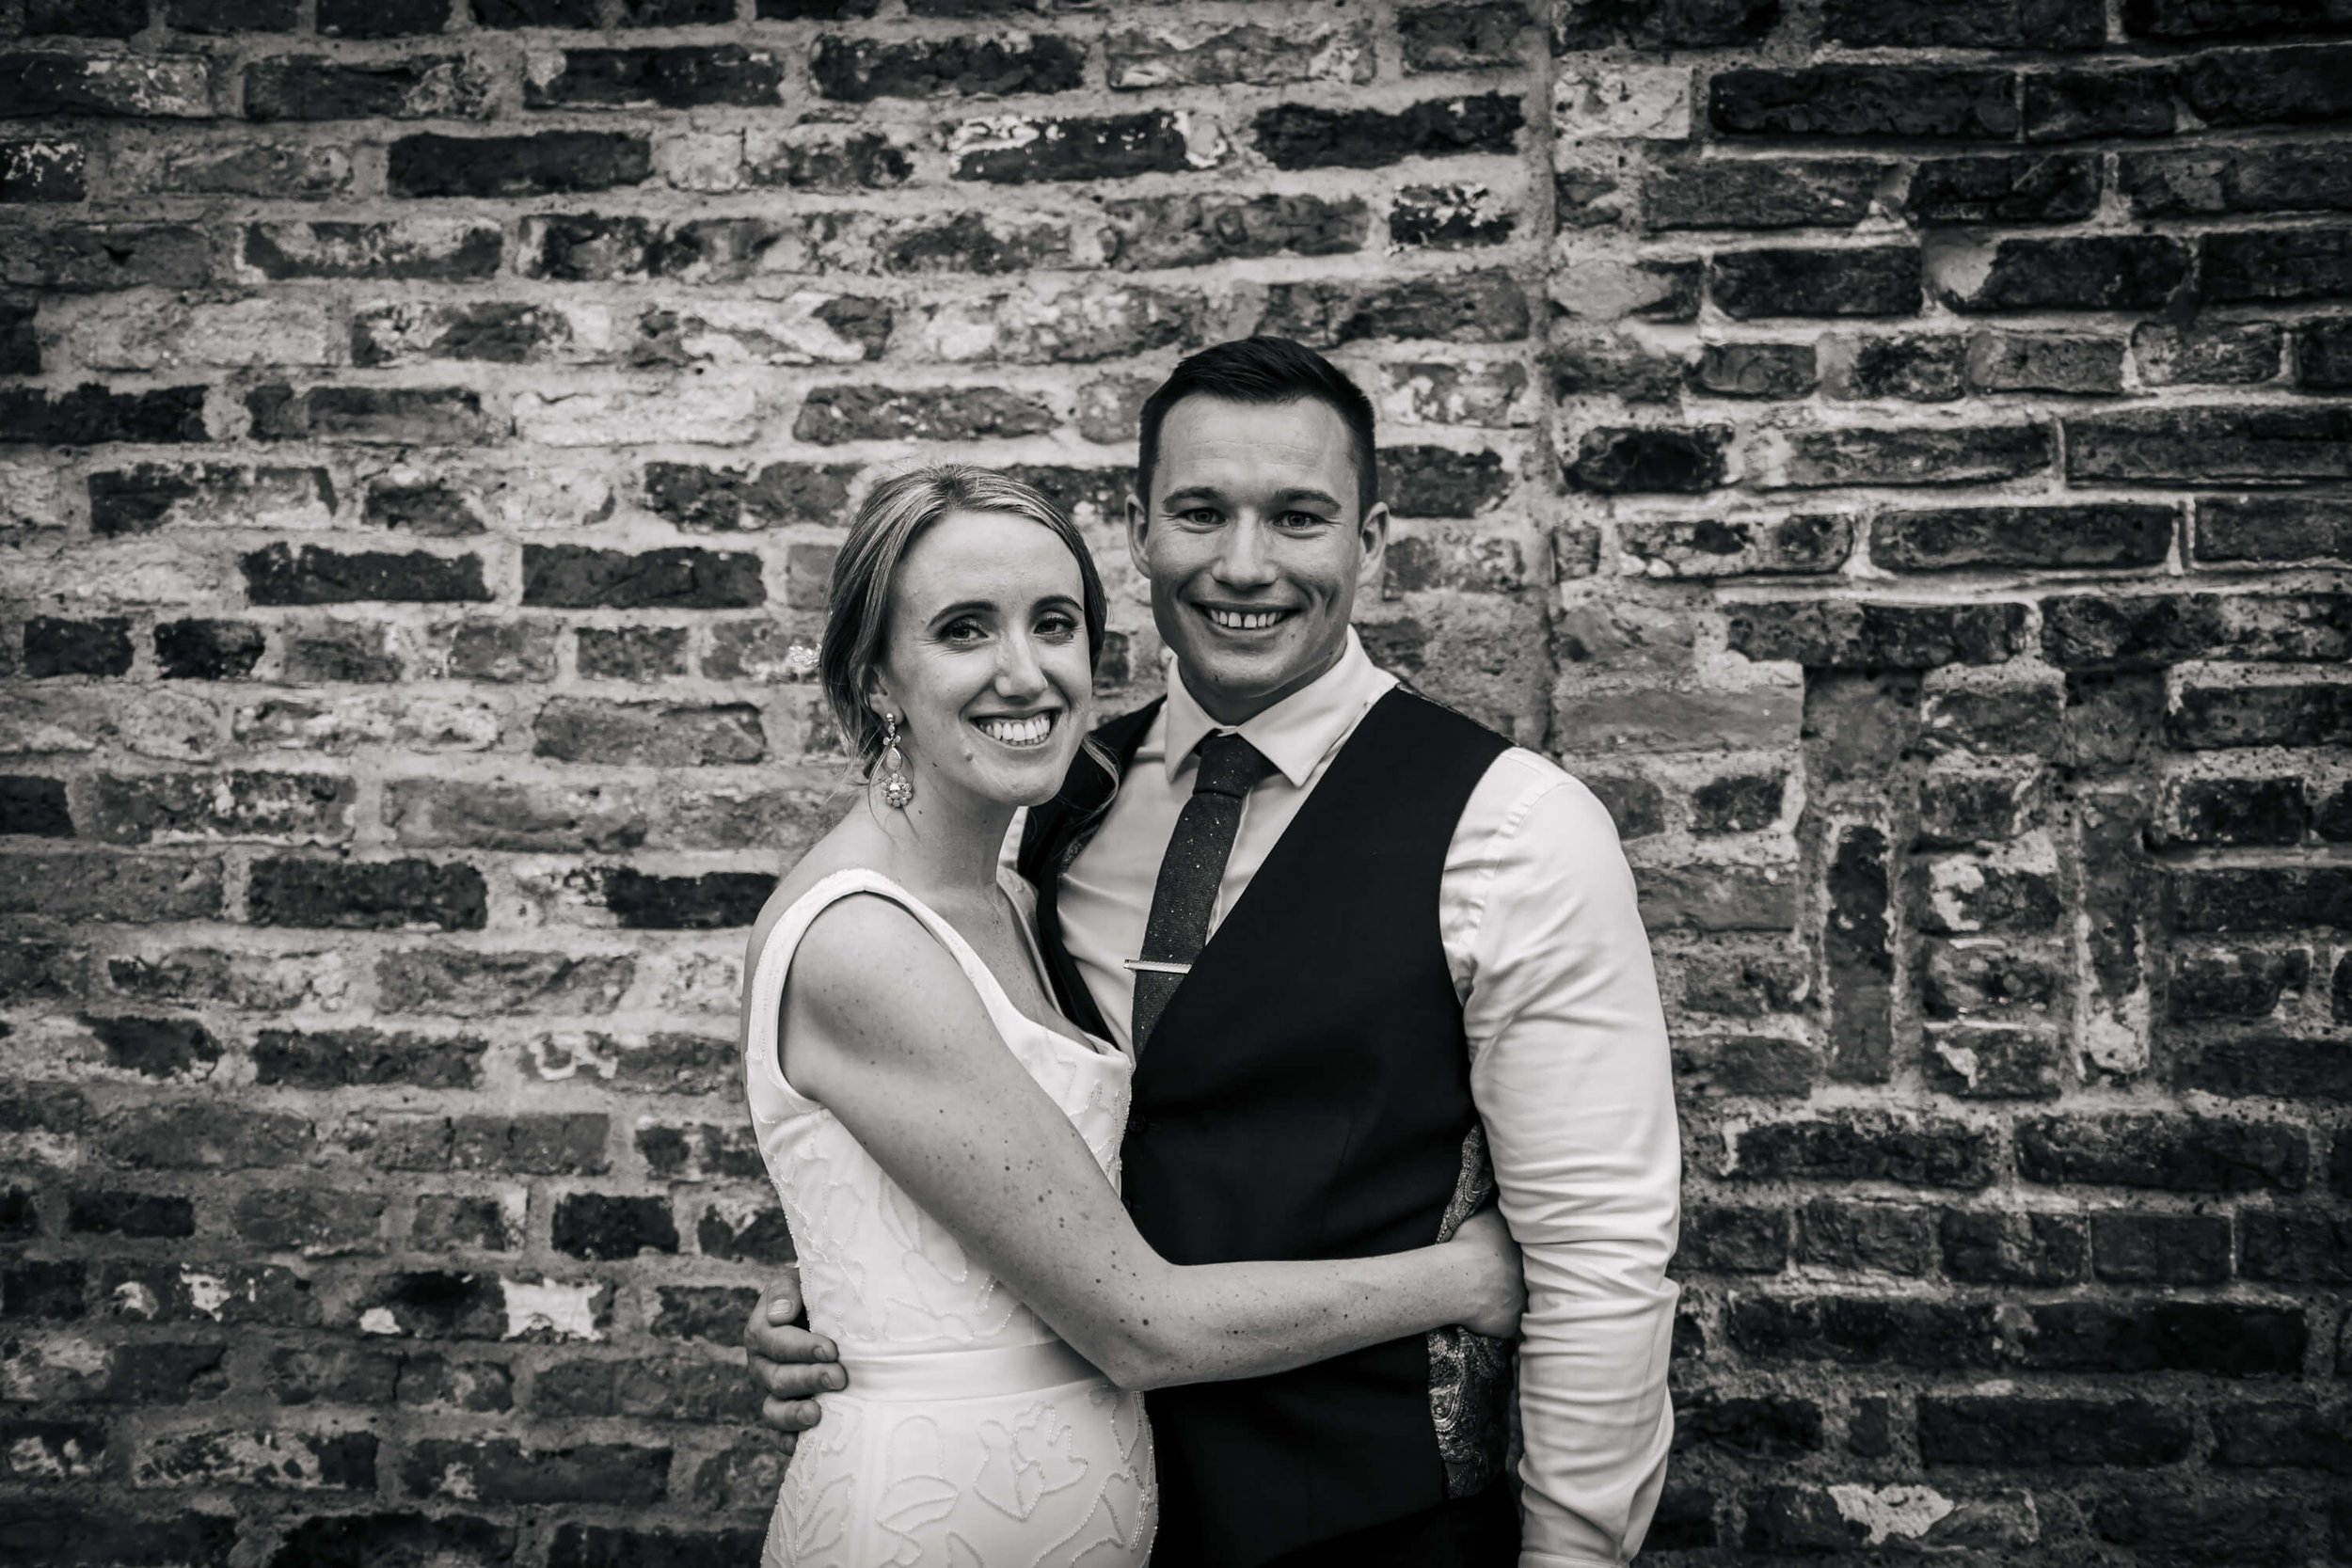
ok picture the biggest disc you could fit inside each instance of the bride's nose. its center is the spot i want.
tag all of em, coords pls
(1017, 672)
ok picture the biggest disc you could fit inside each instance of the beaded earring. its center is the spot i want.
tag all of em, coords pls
(898, 789)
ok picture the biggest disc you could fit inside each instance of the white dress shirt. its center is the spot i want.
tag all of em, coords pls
(1569, 1069)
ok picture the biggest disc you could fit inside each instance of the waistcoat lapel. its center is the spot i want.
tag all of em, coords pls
(1055, 833)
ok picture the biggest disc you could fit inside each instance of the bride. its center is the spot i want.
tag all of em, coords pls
(946, 1144)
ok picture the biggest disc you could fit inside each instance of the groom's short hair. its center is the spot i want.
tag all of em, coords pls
(1260, 370)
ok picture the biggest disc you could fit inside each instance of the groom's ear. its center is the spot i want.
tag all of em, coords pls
(1138, 521)
(1372, 532)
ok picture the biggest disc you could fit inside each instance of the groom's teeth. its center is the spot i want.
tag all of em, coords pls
(1254, 619)
(1017, 731)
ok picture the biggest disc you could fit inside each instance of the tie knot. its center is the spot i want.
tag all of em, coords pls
(1229, 765)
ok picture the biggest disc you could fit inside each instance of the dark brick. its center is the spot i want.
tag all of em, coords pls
(501, 1470)
(92, 413)
(1858, 957)
(19, 346)
(108, 18)
(500, 332)
(2069, 106)
(1192, 230)
(712, 1312)
(2323, 356)
(1295, 137)
(731, 499)
(677, 78)
(1620, 459)
(2284, 176)
(2224, 1338)
(1770, 1427)
(2135, 272)
(1849, 634)
(34, 807)
(2213, 717)
(597, 1226)
(207, 650)
(1864, 100)
(2269, 87)
(156, 1047)
(1865, 1146)
(1745, 193)
(861, 69)
(2229, 812)
(1745, 1065)
(44, 1534)
(578, 1546)
(393, 1540)
(141, 1215)
(2002, 24)
(55, 646)
(2295, 1247)
(2086, 631)
(759, 1237)
(366, 895)
(2309, 1072)
(2277, 263)
(2008, 1431)
(347, 1058)
(1959, 981)
(1449, 217)
(2092, 534)
(715, 900)
(231, 16)
(1882, 280)
(2011, 1248)
(1110, 147)
(2209, 446)
(1636, 806)
(311, 88)
(846, 413)
(1878, 1238)
(1662, 23)
(1722, 1240)
(34, 1291)
(676, 13)
(58, 82)
(2233, 983)
(381, 18)
(1465, 307)
(2206, 19)
(281, 575)
(2279, 1436)
(1438, 481)
(631, 652)
(654, 735)
(546, 164)
(2168, 1249)
(1460, 37)
(576, 577)
(2167, 1153)
(2043, 188)
(1865, 1331)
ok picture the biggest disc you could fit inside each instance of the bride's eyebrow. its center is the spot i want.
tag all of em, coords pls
(961, 607)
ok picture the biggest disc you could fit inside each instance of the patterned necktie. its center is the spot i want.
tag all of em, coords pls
(1191, 872)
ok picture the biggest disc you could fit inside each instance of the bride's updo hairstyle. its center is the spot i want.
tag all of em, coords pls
(857, 599)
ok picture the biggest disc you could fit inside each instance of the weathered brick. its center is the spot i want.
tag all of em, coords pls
(1916, 368)
(1899, 1331)
(1863, 1145)
(576, 577)
(583, 729)
(2275, 265)
(405, 248)
(1014, 149)
(2300, 714)
(366, 18)
(161, 86)
(1295, 137)
(2143, 1248)
(2202, 19)
(182, 807)
(366, 895)
(2168, 1153)
(230, 16)
(313, 87)
(396, 416)
(341, 1058)
(1618, 459)
(597, 1225)
(1882, 280)
(2226, 1338)
(715, 900)
(2004, 25)
(2206, 353)
(2258, 529)
(1211, 53)
(2095, 534)
(2078, 364)
(92, 413)
(1864, 100)
(675, 78)
(2229, 812)
(2040, 1432)
(1922, 456)
(54, 645)
(1662, 23)
(113, 19)
(1468, 307)
(2305, 84)
(2207, 446)
(34, 807)
(2043, 188)
(501, 1470)
(2084, 631)
(1851, 634)
(2284, 177)
(388, 1537)
(43, 171)
(856, 71)
(2066, 105)
(282, 575)
(548, 162)
(136, 889)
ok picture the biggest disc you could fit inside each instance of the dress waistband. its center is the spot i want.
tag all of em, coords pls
(965, 1374)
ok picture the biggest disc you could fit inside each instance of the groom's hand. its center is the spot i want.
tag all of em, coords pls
(790, 1365)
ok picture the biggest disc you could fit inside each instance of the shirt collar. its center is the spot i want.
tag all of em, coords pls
(1295, 733)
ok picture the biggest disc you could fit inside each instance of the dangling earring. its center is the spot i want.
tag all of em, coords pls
(898, 789)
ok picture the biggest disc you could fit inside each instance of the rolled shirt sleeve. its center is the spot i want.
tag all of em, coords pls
(1571, 1073)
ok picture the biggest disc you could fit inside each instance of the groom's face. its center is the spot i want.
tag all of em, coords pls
(1255, 546)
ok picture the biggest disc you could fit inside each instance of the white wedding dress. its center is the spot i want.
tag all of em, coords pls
(970, 1435)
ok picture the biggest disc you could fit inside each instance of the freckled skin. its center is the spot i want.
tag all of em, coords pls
(1255, 507)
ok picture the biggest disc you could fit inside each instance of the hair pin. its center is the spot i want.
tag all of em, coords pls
(799, 659)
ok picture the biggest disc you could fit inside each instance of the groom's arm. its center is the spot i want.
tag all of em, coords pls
(1571, 1074)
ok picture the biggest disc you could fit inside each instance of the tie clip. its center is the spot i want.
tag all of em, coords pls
(1157, 967)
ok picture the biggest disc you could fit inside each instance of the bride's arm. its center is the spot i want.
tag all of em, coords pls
(886, 1031)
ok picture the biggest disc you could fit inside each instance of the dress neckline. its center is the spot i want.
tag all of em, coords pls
(968, 957)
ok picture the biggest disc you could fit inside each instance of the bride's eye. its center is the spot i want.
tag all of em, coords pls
(963, 631)
(1059, 628)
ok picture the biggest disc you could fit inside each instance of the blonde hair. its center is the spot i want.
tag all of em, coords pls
(857, 597)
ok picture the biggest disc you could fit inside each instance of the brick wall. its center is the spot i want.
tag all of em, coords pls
(1892, 449)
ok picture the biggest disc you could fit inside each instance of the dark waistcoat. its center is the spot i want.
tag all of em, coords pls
(1305, 1095)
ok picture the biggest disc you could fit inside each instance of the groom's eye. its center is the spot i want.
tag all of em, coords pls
(1200, 517)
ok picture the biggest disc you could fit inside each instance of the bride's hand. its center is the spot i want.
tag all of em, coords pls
(1491, 1259)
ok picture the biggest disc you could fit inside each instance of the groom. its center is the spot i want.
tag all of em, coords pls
(1375, 963)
